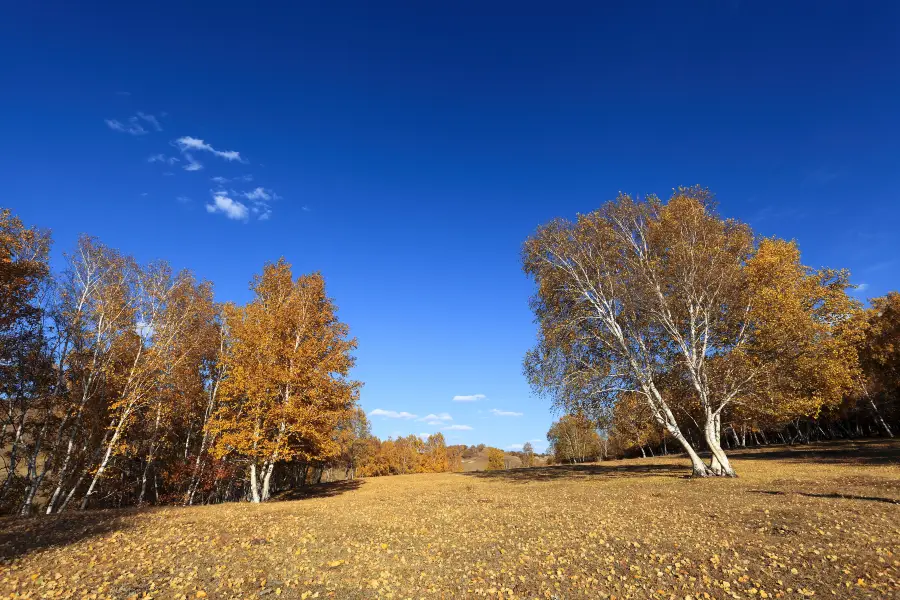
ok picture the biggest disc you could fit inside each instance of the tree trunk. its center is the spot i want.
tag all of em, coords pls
(719, 464)
(254, 484)
(267, 478)
(881, 420)
(105, 462)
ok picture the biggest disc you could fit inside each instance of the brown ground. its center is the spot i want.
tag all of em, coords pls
(819, 520)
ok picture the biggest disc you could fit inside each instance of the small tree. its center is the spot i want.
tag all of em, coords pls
(527, 455)
(495, 459)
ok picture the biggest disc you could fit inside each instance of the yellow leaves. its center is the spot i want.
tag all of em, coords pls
(200, 594)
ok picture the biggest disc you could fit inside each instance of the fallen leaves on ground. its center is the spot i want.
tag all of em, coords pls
(787, 528)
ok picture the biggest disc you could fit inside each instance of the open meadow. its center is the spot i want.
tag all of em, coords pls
(819, 520)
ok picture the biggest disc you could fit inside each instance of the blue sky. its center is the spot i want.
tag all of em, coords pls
(406, 150)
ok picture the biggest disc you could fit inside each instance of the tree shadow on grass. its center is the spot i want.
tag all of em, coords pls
(832, 495)
(20, 536)
(319, 490)
(562, 472)
(864, 452)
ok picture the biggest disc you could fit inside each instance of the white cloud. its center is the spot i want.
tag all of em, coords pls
(184, 200)
(439, 419)
(192, 165)
(505, 413)
(228, 207)
(258, 194)
(472, 398)
(223, 180)
(862, 287)
(150, 119)
(132, 127)
(187, 143)
(457, 428)
(515, 446)
(162, 158)
(392, 414)
(260, 198)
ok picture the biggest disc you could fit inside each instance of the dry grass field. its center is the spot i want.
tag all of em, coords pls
(820, 521)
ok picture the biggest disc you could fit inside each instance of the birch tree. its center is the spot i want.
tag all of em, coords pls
(641, 292)
(287, 384)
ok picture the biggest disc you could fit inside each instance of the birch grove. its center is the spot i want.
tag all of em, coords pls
(125, 384)
(661, 323)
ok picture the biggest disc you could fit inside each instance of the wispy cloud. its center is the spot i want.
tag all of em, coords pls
(132, 127)
(162, 158)
(184, 200)
(860, 287)
(192, 164)
(259, 199)
(223, 180)
(188, 143)
(439, 419)
(457, 428)
(260, 193)
(150, 119)
(471, 398)
(228, 207)
(515, 446)
(391, 414)
(505, 413)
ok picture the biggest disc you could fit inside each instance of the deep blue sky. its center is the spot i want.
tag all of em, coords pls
(412, 148)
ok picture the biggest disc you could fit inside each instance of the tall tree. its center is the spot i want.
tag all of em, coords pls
(287, 366)
(25, 372)
(879, 349)
(644, 292)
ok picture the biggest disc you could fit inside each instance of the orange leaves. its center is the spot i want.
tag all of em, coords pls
(286, 362)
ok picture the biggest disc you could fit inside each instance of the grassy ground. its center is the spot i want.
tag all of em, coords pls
(820, 520)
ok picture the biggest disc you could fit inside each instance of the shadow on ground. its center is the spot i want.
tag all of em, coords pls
(559, 472)
(866, 452)
(23, 536)
(832, 495)
(319, 490)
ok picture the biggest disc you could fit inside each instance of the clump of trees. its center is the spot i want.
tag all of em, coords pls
(574, 439)
(410, 454)
(666, 320)
(124, 383)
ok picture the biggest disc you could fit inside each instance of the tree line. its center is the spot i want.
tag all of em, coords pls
(661, 321)
(123, 384)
